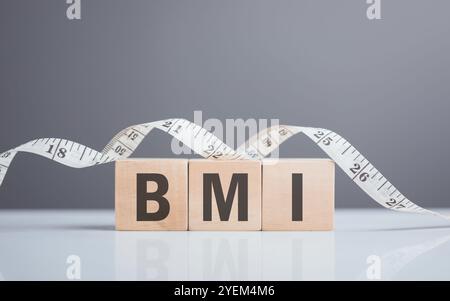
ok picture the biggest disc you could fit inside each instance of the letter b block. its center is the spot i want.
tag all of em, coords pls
(224, 195)
(298, 194)
(151, 194)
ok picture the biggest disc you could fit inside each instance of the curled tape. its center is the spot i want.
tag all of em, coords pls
(204, 143)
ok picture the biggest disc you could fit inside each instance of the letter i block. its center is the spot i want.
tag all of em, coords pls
(224, 195)
(151, 194)
(298, 194)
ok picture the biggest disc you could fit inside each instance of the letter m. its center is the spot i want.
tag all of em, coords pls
(239, 181)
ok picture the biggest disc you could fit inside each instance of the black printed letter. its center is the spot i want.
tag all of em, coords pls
(142, 196)
(212, 180)
(297, 197)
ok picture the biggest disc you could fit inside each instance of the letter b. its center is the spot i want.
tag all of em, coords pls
(151, 194)
(142, 196)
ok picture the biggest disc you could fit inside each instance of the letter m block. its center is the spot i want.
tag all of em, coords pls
(224, 195)
(151, 194)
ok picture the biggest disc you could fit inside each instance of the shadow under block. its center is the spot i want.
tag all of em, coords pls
(224, 195)
(151, 194)
(298, 194)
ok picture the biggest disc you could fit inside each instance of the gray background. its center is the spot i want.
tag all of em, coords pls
(383, 84)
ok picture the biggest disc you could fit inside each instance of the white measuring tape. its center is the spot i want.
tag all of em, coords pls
(204, 143)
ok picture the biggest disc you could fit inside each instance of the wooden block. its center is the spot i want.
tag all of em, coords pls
(224, 195)
(151, 194)
(298, 194)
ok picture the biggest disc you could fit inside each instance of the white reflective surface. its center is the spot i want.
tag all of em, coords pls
(367, 244)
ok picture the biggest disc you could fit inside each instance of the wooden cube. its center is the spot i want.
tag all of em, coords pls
(151, 194)
(224, 195)
(298, 194)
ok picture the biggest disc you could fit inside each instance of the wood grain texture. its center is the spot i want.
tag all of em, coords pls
(225, 170)
(317, 194)
(176, 172)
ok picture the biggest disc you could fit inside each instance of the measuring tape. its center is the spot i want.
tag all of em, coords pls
(204, 143)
